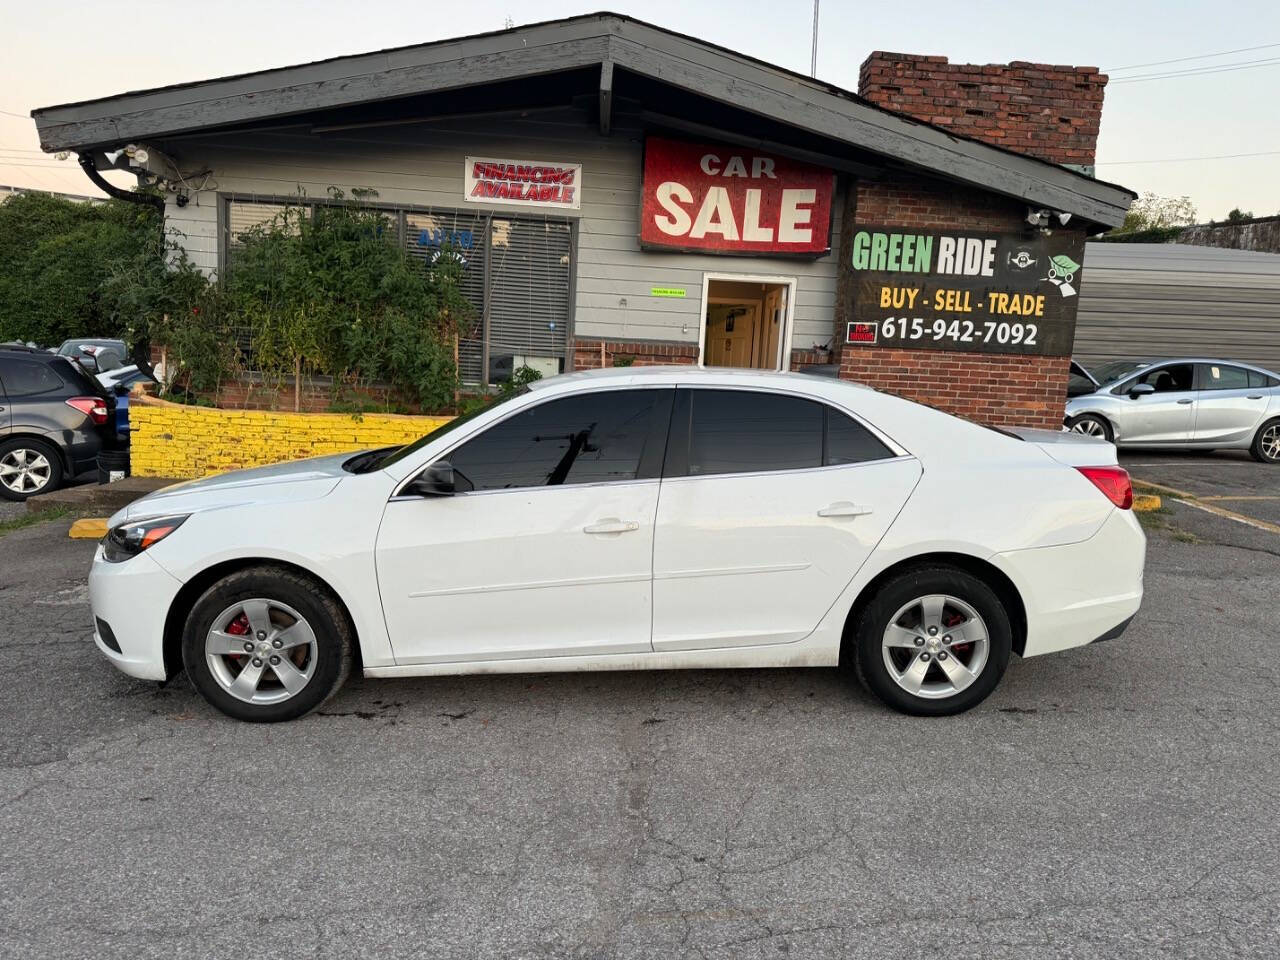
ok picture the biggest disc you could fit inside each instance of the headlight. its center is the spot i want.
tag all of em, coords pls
(130, 539)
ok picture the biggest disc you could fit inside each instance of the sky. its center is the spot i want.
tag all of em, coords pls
(1155, 132)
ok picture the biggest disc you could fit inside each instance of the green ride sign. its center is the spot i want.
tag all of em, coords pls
(960, 290)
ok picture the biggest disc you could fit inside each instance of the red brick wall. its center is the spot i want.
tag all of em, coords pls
(1045, 111)
(586, 353)
(997, 389)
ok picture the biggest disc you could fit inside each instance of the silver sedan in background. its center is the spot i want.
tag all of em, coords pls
(1195, 404)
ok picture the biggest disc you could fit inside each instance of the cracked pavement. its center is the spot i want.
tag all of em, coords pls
(1111, 802)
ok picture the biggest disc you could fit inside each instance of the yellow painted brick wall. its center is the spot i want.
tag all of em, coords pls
(173, 440)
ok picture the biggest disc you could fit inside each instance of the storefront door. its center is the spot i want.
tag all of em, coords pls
(746, 321)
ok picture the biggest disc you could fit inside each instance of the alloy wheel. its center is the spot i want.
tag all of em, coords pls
(25, 471)
(1089, 427)
(261, 651)
(935, 646)
(1271, 442)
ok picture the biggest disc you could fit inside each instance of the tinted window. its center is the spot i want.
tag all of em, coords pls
(23, 378)
(1257, 379)
(1216, 377)
(1172, 379)
(732, 431)
(850, 442)
(589, 438)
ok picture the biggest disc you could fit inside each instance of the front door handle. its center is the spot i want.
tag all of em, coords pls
(1186, 401)
(611, 525)
(844, 510)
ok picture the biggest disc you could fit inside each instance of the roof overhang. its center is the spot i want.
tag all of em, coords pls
(606, 41)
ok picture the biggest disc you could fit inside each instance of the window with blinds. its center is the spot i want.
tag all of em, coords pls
(515, 273)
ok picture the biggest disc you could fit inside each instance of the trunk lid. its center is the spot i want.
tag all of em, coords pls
(1071, 449)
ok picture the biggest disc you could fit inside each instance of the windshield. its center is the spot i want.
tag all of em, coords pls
(1115, 369)
(361, 465)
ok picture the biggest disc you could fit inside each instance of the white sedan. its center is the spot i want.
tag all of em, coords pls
(633, 519)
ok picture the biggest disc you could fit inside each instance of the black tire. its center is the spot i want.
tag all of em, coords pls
(1092, 418)
(16, 448)
(1257, 448)
(869, 630)
(312, 601)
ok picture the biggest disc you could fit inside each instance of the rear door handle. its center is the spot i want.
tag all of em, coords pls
(611, 525)
(844, 510)
(1186, 401)
(1252, 396)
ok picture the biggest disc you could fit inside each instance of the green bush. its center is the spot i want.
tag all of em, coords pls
(328, 289)
(55, 257)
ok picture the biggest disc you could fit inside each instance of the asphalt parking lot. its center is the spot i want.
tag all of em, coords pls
(1111, 802)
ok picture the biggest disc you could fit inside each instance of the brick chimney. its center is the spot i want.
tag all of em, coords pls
(1045, 111)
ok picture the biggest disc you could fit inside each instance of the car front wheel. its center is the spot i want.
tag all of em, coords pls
(267, 644)
(934, 641)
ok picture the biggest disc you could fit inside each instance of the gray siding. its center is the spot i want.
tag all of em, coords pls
(1149, 300)
(422, 165)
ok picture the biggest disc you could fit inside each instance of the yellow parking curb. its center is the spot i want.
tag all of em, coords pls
(1146, 502)
(90, 528)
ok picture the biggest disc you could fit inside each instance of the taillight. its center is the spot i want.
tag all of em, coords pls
(92, 407)
(1114, 482)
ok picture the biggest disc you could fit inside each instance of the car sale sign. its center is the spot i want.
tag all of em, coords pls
(733, 200)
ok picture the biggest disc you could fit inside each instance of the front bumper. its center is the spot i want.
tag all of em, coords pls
(1079, 593)
(133, 598)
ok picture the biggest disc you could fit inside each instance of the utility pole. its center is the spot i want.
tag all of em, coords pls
(813, 58)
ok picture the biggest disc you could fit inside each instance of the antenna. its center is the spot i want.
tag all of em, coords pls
(813, 57)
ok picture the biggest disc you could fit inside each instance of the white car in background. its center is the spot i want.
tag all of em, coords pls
(633, 519)
(1193, 404)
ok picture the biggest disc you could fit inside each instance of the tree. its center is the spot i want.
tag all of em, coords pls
(1153, 212)
(56, 255)
(1239, 216)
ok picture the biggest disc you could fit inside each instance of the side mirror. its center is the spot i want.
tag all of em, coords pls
(435, 481)
(1141, 390)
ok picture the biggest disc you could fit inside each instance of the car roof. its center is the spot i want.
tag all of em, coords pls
(680, 373)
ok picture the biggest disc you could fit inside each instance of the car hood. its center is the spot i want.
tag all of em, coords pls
(294, 481)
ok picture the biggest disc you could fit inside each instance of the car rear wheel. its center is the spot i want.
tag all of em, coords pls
(934, 641)
(1266, 443)
(1091, 425)
(267, 644)
(28, 467)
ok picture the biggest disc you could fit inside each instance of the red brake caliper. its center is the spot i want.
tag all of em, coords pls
(959, 648)
(239, 627)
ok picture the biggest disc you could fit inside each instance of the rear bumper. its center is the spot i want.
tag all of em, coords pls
(1081, 592)
(133, 598)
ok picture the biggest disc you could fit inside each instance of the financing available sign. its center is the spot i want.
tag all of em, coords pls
(523, 183)
(965, 290)
(724, 199)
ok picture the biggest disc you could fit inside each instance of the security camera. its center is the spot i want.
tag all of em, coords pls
(1037, 217)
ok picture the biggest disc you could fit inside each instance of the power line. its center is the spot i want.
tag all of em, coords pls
(1223, 156)
(20, 116)
(1202, 56)
(1201, 71)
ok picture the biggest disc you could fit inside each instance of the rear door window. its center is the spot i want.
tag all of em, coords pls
(1215, 376)
(1259, 379)
(743, 431)
(28, 378)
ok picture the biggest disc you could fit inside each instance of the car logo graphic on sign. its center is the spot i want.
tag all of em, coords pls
(1062, 270)
(1022, 259)
(862, 332)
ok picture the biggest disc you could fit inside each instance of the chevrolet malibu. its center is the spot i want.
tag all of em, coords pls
(632, 519)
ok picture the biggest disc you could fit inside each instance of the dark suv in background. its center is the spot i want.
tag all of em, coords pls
(54, 420)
